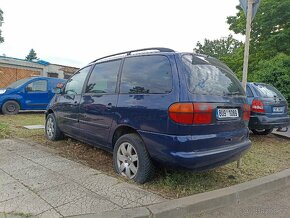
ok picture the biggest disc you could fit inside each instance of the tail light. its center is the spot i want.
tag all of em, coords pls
(258, 106)
(247, 112)
(191, 113)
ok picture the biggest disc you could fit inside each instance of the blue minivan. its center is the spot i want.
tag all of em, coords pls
(154, 107)
(32, 93)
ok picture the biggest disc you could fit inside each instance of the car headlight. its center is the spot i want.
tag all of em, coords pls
(2, 91)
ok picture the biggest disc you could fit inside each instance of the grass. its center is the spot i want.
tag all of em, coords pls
(269, 154)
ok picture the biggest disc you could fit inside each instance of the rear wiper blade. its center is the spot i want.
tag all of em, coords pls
(232, 93)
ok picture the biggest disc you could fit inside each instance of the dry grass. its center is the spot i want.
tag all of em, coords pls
(269, 154)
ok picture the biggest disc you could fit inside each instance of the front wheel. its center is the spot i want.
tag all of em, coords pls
(52, 131)
(10, 108)
(262, 131)
(132, 160)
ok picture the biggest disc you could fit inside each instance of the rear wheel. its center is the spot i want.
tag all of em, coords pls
(52, 131)
(132, 160)
(262, 131)
(10, 108)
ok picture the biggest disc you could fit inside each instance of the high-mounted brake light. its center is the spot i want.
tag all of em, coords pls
(247, 112)
(258, 106)
(191, 113)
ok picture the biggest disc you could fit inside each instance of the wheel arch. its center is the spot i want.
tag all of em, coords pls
(123, 130)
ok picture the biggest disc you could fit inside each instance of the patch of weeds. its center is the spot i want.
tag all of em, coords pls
(4, 131)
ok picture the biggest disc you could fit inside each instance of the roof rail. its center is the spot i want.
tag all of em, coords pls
(127, 53)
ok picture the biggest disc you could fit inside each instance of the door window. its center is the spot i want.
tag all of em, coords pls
(146, 75)
(104, 77)
(37, 86)
(75, 84)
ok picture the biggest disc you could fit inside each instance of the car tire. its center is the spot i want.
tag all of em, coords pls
(52, 130)
(10, 108)
(262, 131)
(132, 160)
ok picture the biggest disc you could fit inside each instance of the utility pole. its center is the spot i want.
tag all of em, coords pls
(247, 42)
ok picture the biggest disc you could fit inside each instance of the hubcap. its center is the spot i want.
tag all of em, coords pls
(50, 128)
(127, 160)
(11, 108)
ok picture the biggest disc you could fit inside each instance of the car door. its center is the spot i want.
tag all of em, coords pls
(98, 103)
(35, 95)
(67, 108)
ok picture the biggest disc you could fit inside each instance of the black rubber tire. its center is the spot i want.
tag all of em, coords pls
(262, 132)
(146, 168)
(10, 108)
(57, 134)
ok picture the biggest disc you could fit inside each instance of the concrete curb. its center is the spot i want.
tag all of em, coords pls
(205, 201)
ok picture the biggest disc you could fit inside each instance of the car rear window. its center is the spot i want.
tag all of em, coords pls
(267, 91)
(207, 78)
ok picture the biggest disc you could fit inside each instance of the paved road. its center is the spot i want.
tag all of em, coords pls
(271, 205)
(37, 182)
(285, 134)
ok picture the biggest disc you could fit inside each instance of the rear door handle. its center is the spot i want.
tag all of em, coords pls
(109, 106)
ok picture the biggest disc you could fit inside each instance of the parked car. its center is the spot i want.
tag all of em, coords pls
(33, 93)
(269, 108)
(154, 106)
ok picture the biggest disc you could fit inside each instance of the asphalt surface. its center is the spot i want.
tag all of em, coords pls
(34, 181)
(271, 205)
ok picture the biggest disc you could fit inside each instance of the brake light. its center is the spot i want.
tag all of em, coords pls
(258, 106)
(191, 113)
(247, 112)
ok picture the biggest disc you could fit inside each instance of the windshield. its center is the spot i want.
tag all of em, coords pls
(205, 77)
(267, 91)
(17, 83)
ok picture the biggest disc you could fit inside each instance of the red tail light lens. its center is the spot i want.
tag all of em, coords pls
(247, 112)
(191, 113)
(258, 106)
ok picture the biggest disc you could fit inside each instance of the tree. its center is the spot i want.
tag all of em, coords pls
(226, 49)
(270, 30)
(31, 56)
(219, 47)
(1, 21)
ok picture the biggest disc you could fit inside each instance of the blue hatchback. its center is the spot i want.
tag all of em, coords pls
(269, 108)
(32, 93)
(154, 106)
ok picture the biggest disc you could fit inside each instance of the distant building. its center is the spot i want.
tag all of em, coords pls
(13, 69)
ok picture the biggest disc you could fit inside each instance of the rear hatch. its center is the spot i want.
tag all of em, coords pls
(220, 113)
(273, 102)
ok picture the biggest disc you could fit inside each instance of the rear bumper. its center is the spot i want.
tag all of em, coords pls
(181, 152)
(265, 122)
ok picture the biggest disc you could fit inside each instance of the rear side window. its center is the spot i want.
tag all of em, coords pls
(37, 86)
(249, 92)
(267, 91)
(146, 75)
(103, 79)
(204, 78)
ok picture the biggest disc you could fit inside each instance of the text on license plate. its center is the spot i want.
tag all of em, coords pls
(278, 109)
(227, 113)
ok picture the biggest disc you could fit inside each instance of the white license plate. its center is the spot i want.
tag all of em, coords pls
(227, 113)
(278, 109)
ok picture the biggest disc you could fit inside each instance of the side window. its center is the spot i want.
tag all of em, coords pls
(103, 79)
(37, 86)
(249, 92)
(75, 84)
(146, 75)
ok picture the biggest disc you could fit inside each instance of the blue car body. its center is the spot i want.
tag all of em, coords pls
(32, 93)
(101, 118)
(269, 108)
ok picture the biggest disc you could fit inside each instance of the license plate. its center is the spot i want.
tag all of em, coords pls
(278, 109)
(227, 113)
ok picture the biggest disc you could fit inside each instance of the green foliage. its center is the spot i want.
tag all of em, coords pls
(226, 49)
(1, 20)
(31, 56)
(276, 71)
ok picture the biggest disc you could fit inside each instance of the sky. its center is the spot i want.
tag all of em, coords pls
(76, 32)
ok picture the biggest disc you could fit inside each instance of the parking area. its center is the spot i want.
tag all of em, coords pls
(35, 180)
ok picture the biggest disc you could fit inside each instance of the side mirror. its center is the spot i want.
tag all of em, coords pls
(57, 90)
